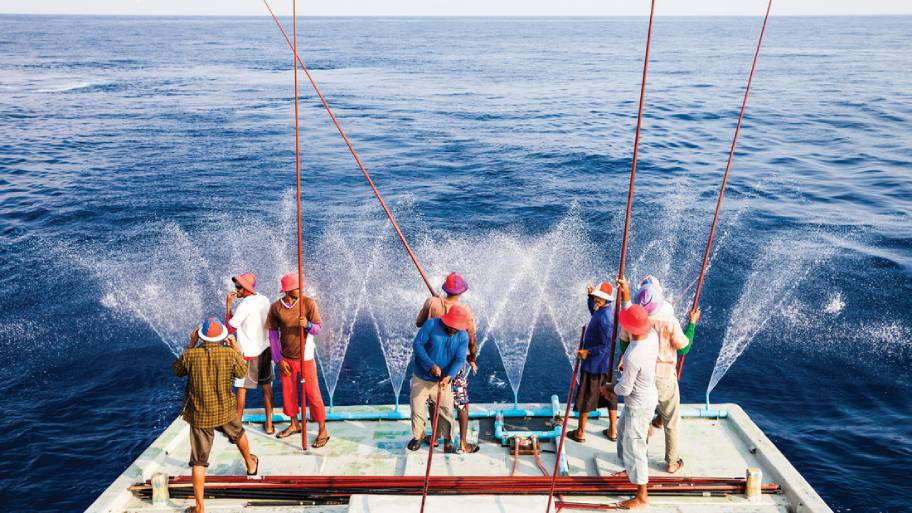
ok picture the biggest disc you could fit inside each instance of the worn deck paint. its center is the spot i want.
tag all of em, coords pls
(709, 447)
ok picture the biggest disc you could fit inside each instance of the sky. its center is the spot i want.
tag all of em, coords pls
(459, 7)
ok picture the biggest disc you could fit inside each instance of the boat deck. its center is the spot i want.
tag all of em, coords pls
(710, 447)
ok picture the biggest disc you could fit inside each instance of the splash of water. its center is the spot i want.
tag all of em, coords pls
(395, 296)
(166, 288)
(522, 285)
(674, 252)
(775, 277)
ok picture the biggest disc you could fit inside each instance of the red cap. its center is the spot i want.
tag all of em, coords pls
(635, 320)
(290, 282)
(246, 280)
(457, 318)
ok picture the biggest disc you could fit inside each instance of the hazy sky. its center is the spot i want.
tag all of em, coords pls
(459, 7)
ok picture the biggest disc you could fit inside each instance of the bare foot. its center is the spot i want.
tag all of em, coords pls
(620, 473)
(634, 503)
(671, 468)
(651, 431)
(290, 430)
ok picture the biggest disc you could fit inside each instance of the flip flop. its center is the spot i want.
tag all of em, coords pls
(257, 467)
(575, 436)
(320, 442)
(473, 448)
(680, 466)
(607, 433)
(287, 433)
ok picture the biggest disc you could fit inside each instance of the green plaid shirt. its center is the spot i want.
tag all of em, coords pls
(209, 399)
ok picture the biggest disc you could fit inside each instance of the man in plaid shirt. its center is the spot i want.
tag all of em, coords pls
(209, 402)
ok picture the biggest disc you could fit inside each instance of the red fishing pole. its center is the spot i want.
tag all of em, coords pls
(560, 444)
(354, 154)
(633, 167)
(301, 334)
(427, 470)
(731, 156)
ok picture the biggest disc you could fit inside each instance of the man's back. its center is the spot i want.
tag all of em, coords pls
(249, 320)
(211, 369)
(637, 382)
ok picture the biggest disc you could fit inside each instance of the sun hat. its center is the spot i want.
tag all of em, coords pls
(290, 282)
(457, 318)
(246, 280)
(604, 291)
(212, 330)
(635, 320)
(650, 296)
(455, 284)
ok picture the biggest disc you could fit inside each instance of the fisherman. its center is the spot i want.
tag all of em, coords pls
(284, 323)
(672, 341)
(595, 367)
(209, 403)
(440, 347)
(435, 307)
(638, 387)
(247, 322)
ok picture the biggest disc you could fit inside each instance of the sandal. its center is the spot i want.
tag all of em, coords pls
(288, 432)
(472, 448)
(255, 468)
(607, 433)
(680, 464)
(575, 436)
(320, 442)
(414, 444)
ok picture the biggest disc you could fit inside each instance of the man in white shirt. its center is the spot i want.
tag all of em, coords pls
(638, 387)
(249, 321)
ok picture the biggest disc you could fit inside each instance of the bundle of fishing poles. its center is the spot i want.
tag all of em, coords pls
(333, 488)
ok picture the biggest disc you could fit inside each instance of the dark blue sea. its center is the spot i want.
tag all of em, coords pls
(143, 161)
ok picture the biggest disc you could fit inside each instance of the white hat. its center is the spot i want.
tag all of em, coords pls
(604, 290)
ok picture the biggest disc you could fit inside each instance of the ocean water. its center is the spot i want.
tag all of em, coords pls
(143, 161)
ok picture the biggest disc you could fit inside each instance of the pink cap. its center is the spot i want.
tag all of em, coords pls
(246, 280)
(290, 282)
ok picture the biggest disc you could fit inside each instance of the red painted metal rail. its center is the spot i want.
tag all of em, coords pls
(731, 157)
(354, 154)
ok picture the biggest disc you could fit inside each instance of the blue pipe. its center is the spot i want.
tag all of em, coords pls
(505, 435)
(553, 412)
(563, 466)
(397, 415)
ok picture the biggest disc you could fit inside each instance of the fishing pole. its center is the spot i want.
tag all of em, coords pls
(731, 156)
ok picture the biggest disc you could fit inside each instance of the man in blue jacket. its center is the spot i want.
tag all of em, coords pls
(440, 352)
(595, 368)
